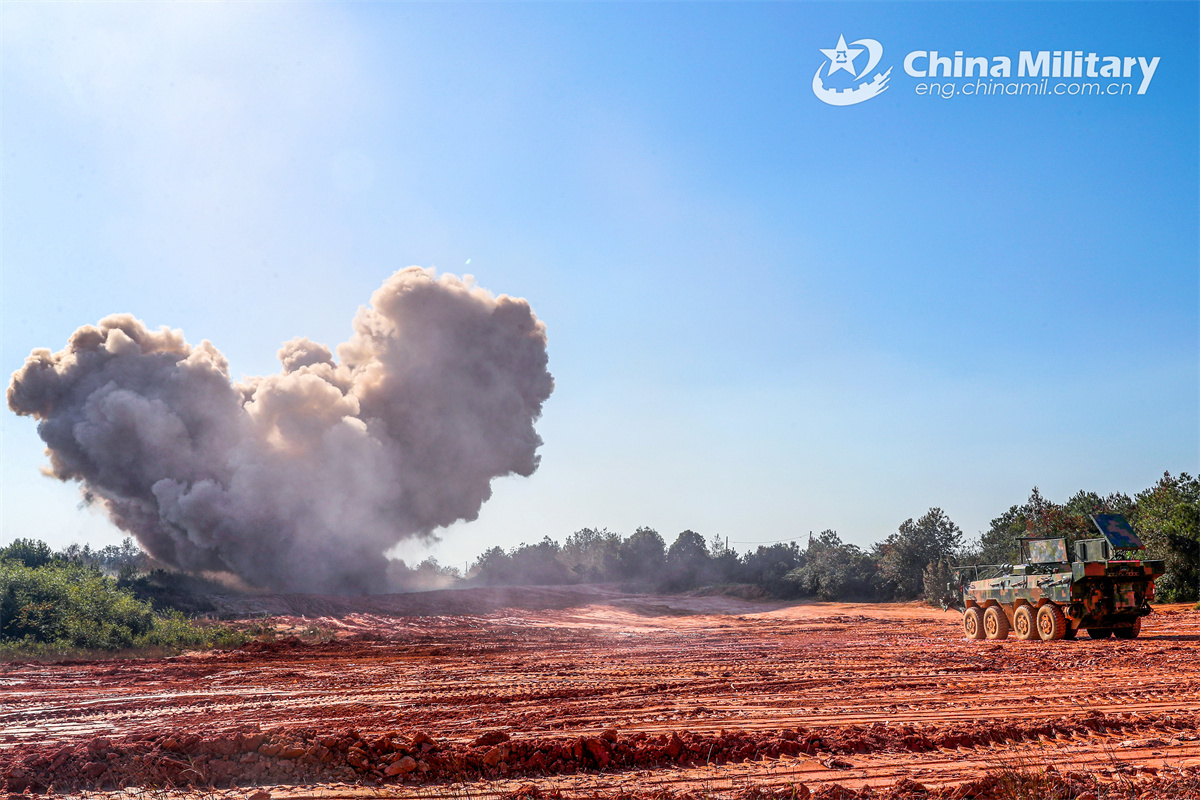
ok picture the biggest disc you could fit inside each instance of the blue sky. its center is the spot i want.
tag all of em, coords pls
(767, 315)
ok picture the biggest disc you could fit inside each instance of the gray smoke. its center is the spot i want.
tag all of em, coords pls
(300, 480)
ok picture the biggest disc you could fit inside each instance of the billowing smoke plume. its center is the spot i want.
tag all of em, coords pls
(300, 480)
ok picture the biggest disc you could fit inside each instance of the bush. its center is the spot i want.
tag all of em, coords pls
(69, 606)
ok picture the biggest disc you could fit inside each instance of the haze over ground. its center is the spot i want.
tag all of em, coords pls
(766, 315)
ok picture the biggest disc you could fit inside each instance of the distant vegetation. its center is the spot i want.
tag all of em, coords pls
(80, 599)
(64, 603)
(909, 564)
(826, 568)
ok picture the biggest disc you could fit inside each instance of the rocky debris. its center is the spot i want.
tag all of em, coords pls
(494, 756)
(291, 756)
(491, 738)
(402, 766)
(1149, 742)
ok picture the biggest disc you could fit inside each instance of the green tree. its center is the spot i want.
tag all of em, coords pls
(643, 556)
(768, 566)
(724, 564)
(833, 570)
(539, 564)
(1074, 517)
(687, 561)
(68, 604)
(124, 561)
(1039, 517)
(593, 554)
(904, 555)
(30, 552)
(492, 568)
(1167, 517)
(432, 569)
(998, 545)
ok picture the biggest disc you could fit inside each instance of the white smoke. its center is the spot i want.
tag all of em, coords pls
(300, 480)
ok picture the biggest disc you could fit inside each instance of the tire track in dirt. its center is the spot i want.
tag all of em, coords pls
(695, 665)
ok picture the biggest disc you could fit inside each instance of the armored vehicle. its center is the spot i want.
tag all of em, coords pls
(1103, 591)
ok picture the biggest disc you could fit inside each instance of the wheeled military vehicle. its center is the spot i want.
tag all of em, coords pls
(1103, 591)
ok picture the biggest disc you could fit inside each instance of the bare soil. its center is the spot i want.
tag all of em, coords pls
(588, 692)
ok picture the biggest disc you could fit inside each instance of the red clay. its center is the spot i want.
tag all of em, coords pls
(588, 692)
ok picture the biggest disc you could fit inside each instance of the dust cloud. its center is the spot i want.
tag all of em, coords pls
(301, 480)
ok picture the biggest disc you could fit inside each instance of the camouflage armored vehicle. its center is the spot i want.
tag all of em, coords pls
(1103, 591)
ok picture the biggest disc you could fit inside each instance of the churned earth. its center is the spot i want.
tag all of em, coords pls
(589, 692)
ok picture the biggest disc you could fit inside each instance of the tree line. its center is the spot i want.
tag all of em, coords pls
(825, 568)
(911, 563)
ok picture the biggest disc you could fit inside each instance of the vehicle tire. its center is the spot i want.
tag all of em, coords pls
(1130, 632)
(995, 623)
(1099, 633)
(1024, 624)
(1051, 622)
(1071, 632)
(973, 622)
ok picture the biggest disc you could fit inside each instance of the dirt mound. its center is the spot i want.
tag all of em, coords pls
(304, 755)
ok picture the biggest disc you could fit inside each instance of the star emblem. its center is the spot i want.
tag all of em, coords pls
(842, 57)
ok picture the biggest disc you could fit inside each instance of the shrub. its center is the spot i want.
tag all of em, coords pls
(62, 605)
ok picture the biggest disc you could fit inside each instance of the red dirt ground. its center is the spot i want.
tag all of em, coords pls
(587, 692)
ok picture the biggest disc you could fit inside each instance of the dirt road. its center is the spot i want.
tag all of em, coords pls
(590, 692)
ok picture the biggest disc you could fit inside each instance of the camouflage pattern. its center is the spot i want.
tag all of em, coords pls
(1105, 590)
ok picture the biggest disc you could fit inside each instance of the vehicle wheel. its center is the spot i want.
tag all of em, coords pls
(1099, 633)
(1129, 633)
(973, 623)
(1024, 625)
(1071, 632)
(995, 623)
(1051, 622)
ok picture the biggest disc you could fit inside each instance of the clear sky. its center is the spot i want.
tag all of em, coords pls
(767, 315)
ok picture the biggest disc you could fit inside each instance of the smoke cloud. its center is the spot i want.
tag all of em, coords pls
(301, 480)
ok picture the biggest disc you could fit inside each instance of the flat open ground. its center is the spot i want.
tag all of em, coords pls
(607, 694)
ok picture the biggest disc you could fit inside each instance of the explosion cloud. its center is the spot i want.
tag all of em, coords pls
(301, 480)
